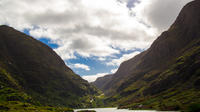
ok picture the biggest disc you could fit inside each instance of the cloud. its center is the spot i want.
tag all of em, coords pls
(117, 62)
(158, 13)
(113, 71)
(81, 66)
(92, 78)
(89, 28)
(101, 58)
(100, 28)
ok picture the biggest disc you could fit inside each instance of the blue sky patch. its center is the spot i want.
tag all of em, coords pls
(96, 66)
(49, 43)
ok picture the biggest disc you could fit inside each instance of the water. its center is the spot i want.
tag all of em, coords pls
(119, 110)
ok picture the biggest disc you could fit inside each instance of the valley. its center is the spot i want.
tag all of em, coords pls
(164, 77)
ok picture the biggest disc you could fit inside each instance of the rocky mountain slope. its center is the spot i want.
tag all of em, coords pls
(167, 75)
(32, 72)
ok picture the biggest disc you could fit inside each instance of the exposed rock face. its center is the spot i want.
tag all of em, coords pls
(170, 62)
(39, 71)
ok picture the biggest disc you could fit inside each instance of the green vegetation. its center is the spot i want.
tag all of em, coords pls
(16, 106)
(34, 78)
(13, 100)
(164, 77)
(174, 96)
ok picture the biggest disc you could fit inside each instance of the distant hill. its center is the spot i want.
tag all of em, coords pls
(167, 75)
(101, 82)
(32, 72)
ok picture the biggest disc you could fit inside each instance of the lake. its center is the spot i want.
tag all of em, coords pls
(119, 110)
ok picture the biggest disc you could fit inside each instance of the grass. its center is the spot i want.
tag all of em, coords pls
(16, 106)
(183, 94)
(14, 99)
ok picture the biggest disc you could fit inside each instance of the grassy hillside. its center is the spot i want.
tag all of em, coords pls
(173, 89)
(31, 72)
(164, 77)
(16, 100)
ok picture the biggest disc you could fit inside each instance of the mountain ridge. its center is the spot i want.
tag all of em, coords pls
(33, 68)
(157, 69)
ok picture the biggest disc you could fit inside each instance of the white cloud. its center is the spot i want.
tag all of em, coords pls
(125, 57)
(92, 78)
(86, 46)
(81, 66)
(93, 27)
(42, 32)
(113, 71)
(101, 58)
(87, 27)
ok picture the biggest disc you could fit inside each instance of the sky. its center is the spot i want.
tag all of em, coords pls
(93, 37)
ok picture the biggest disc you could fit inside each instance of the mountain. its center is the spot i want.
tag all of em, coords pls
(101, 82)
(167, 75)
(32, 72)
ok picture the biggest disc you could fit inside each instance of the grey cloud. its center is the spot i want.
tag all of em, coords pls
(82, 43)
(103, 32)
(162, 13)
(81, 27)
(51, 17)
